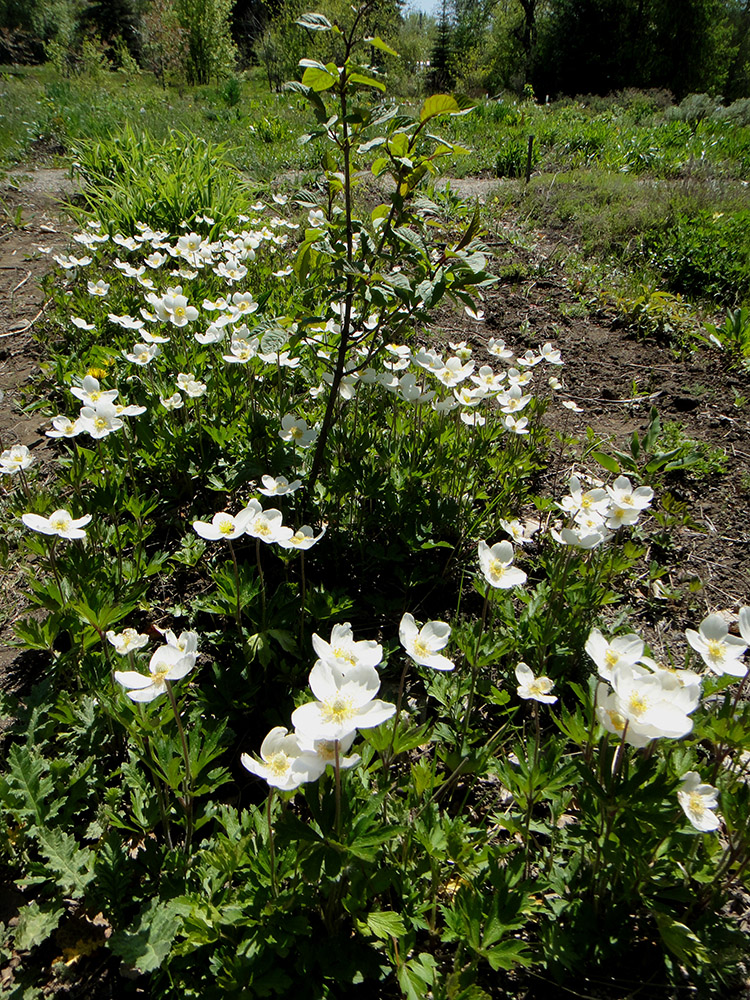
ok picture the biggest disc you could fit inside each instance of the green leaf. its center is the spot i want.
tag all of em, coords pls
(607, 462)
(378, 43)
(438, 104)
(386, 924)
(509, 953)
(366, 81)
(471, 232)
(314, 22)
(27, 790)
(73, 866)
(149, 941)
(35, 925)
(318, 80)
(684, 944)
(274, 340)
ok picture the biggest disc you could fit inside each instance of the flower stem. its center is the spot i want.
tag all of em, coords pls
(262, 584)
(238, 613)
(271, 853)
(187, 783)
(337, 779)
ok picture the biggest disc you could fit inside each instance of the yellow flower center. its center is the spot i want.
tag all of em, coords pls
(159, 675)
(539, 686)
(611, 658)
(100, 423)
(179, 311)
(342, 653)
(278, 763)
(497, 569)
(715, 649)
(617, 721)
(637, 704)
(262, 528)
(96, 394)
(296, 432)
(339, 710)
(226, 527)
(60, 523)
(696, 803)
(421, 648)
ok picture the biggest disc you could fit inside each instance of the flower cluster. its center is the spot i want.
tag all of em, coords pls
(169, 662)
(265, 525)
(595, 514)
(100, 414)
(645, 701)
(344, 681)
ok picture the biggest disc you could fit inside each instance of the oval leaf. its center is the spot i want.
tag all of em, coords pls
(438, 104)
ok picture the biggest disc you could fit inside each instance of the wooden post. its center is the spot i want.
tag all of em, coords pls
(528, 158)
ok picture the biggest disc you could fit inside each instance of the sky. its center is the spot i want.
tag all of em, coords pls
(428, 6)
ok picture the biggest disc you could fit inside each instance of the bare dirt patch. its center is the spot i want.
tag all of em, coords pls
(30, 217)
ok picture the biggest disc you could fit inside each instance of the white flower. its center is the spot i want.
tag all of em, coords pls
(195, 389)
(592, 500)
(99, 288)
(343, 651)
(569, 404)
(610, 654)
(516, 425)
(497, 347)
(472, 418)
(326, 750)
(264, 524)
(302, 539)
(496, 565)
(128, 641)
(166, 664)
(223, 525)
(534, 688)
(345, 702)
(529, 359)
(513, 400)
(81, 323)
(520, 533)
(91, 393)
(461, 349)
(654, 705)
(64, 427)
(284, 763)
(581, 538)
(698, 802)
(143, 354)
(296, 430)
(278, 487)
(60, 523)
(99, 421)
(550, 354)
(453, 372)
(488, 380)
(477, 316)
(173, 402)
(424, 645)
(14, 459)
(744, 624)
(186, 642)
(719, 650)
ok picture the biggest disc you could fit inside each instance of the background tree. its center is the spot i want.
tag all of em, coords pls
(211, 52)
(441, 69)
